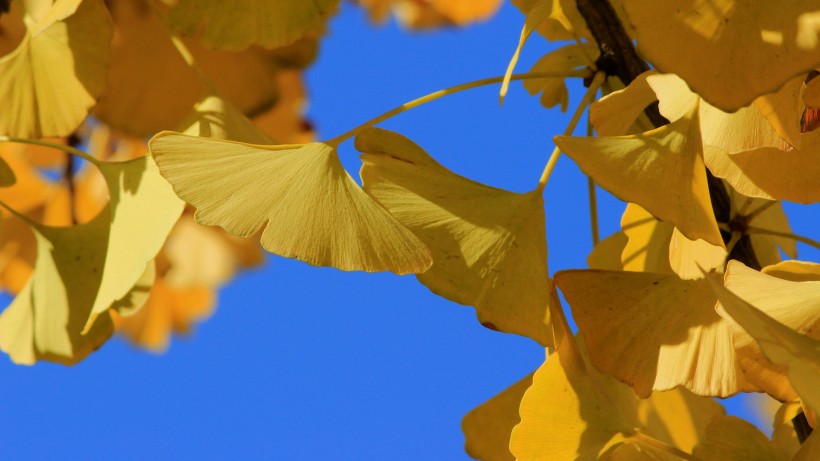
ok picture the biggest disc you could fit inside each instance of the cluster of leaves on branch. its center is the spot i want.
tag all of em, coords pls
(691, 300)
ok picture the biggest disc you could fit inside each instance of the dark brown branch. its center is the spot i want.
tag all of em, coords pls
(619, 58)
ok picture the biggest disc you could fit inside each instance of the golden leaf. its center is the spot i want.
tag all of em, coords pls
(267, 23)
(728, 52)
(570, 57)
(310, 207)
(653, 331)
(621, 112)
(661, 170)
(431, 13)
(733, 439)
(55, 74)
(489, 245)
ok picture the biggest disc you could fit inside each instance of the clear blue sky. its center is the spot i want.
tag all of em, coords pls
(316, 364)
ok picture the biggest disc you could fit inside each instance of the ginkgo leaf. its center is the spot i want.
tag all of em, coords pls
(771, 173)
(617, 112)
(489, 245)
(742, 130)
(653, 331)
(268, 23)
(688, 258)
(783, 108)
(606, 254)
(678, 417)
(811, 94)
(563, 21)
(140, 103)
(662, 170)
(810, 449)
(7, 177)
(729, 438)
(169, 309)
(311, 209)
(143, 209)
(553, 90)
(767, 247)
(54, 76)
(798, 354)
(647, 247)
(729, 53)
(215, 118)
(432, 13)
(778, 295)
(487, 427)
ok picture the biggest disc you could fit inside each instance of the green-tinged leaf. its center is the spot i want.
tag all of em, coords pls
(269, 23)
(489, 245)
(661, 170)
(311, 209)
(54, 76)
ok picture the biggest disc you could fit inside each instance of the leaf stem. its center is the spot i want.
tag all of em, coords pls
(799, 238)
(53, 145)
(648, 441)
(585, 101)
(335, 142)
(593, 200)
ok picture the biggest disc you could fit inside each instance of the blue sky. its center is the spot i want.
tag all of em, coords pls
(315, 364)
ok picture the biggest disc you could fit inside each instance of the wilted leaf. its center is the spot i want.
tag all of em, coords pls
(310, 207)
(489, 245)
(727, 51)
(661, 170)
(54, 76)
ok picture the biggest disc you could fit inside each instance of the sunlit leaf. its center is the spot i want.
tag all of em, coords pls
(617, 112)
(678, 417)
(309, 206)
(771, 173)
(792, 303)
(653, 331)
(728, 52)
(215, 118)
(743, 130)
(688, 257)
(489, 245)
(729, 438)
(487, 428)
(563, 21)
(783, 108)
(553, 90)
(647, 248)
(432, 13)
(798, 354)
(661, 170)
(606, 254)
(54, 76)
(268, 23)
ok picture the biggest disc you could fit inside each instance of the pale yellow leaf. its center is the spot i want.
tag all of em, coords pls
(310, 208)
(662, 170)
(53, 77)
(619, 112)
(783, 108)
(688, 257)
(489, 245)
(553, 90)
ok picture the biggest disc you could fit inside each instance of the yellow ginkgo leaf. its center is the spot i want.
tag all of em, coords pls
(553, 90)
(653, 331)
(811, 94)
(810, 449)
(487, 427)
(647, 247)
(432, 13)
(767, 247)
(798, 354)
(662, 170)
(771, 173)
(606, 254)
(729, 438)
(169, 309)
(688, 257)
(215, 118)
(143, 208)
(563, 21)
(489, 245)
(678, 417)
(311, 209)
(792, 303)
(728, 52)
(7, 177)
(268, 23)
(742, 130)
(783, 108)
(616, 113)
(142, 103)
(54, 76)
